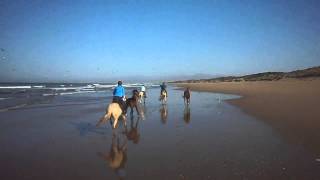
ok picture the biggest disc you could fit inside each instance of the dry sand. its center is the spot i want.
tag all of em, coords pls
(292, 107)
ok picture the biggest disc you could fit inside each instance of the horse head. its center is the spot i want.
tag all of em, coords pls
(135, 94)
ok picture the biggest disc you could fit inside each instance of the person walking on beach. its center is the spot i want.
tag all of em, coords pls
(119, 96)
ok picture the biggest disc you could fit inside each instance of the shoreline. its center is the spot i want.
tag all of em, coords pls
(291, 106)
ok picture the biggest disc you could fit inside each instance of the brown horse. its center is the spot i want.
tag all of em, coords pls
(114, 110)
(133, 102)
(186, 96)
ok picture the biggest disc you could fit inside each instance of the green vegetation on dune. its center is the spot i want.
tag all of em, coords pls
(265, 76)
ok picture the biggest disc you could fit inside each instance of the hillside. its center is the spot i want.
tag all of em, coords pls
(265, 76)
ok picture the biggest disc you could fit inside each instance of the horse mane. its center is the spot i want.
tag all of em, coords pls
(135, 94)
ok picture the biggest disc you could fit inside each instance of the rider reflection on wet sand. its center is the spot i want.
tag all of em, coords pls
(117, 156)
(186, 114)
(164, 113)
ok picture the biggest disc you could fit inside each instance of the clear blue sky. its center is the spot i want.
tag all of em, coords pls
(131, 39)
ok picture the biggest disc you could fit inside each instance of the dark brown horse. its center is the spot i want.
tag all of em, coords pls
(187, 96)
(133, 102)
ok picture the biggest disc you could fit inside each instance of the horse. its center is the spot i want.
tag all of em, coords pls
(163, 97)
(133, 102)
(142, 95)
(114, 110)
(186, 96)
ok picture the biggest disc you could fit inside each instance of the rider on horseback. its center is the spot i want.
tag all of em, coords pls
(119, 95)
(163, 87)
(143, 90)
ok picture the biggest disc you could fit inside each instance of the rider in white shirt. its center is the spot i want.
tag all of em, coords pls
(143, 89)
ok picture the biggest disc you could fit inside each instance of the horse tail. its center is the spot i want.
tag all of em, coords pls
(108, 115)
(104, 118)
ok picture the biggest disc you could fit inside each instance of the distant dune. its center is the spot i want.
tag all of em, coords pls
(265, 76)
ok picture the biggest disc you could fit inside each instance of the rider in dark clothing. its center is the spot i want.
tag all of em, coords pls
(163, 87)
(118, 96)
(186, 93)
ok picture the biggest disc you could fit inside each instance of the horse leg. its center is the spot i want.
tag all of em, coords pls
(115, 122)
(131, 112)
(124, 120)
(137, 110)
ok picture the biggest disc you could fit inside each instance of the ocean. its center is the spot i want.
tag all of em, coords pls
(20, 95)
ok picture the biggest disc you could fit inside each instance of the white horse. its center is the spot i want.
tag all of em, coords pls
(142, 97)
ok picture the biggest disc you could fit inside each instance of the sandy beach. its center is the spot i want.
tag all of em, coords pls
(291, 106)
(210, 139)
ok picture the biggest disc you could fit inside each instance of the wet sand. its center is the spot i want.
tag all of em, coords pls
(289, 106)
(210, 139)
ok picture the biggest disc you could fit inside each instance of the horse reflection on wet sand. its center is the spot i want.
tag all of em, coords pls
(133, 133)
(116, 158)
(164, 113)
(186, 114)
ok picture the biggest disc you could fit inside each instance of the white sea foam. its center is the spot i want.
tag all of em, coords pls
(103, 86)
(76, 92)
(87, 88)
(15, 87)
(41, 86)
(67, 93)
(132, 85)
(64, 88)
(52, 94)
